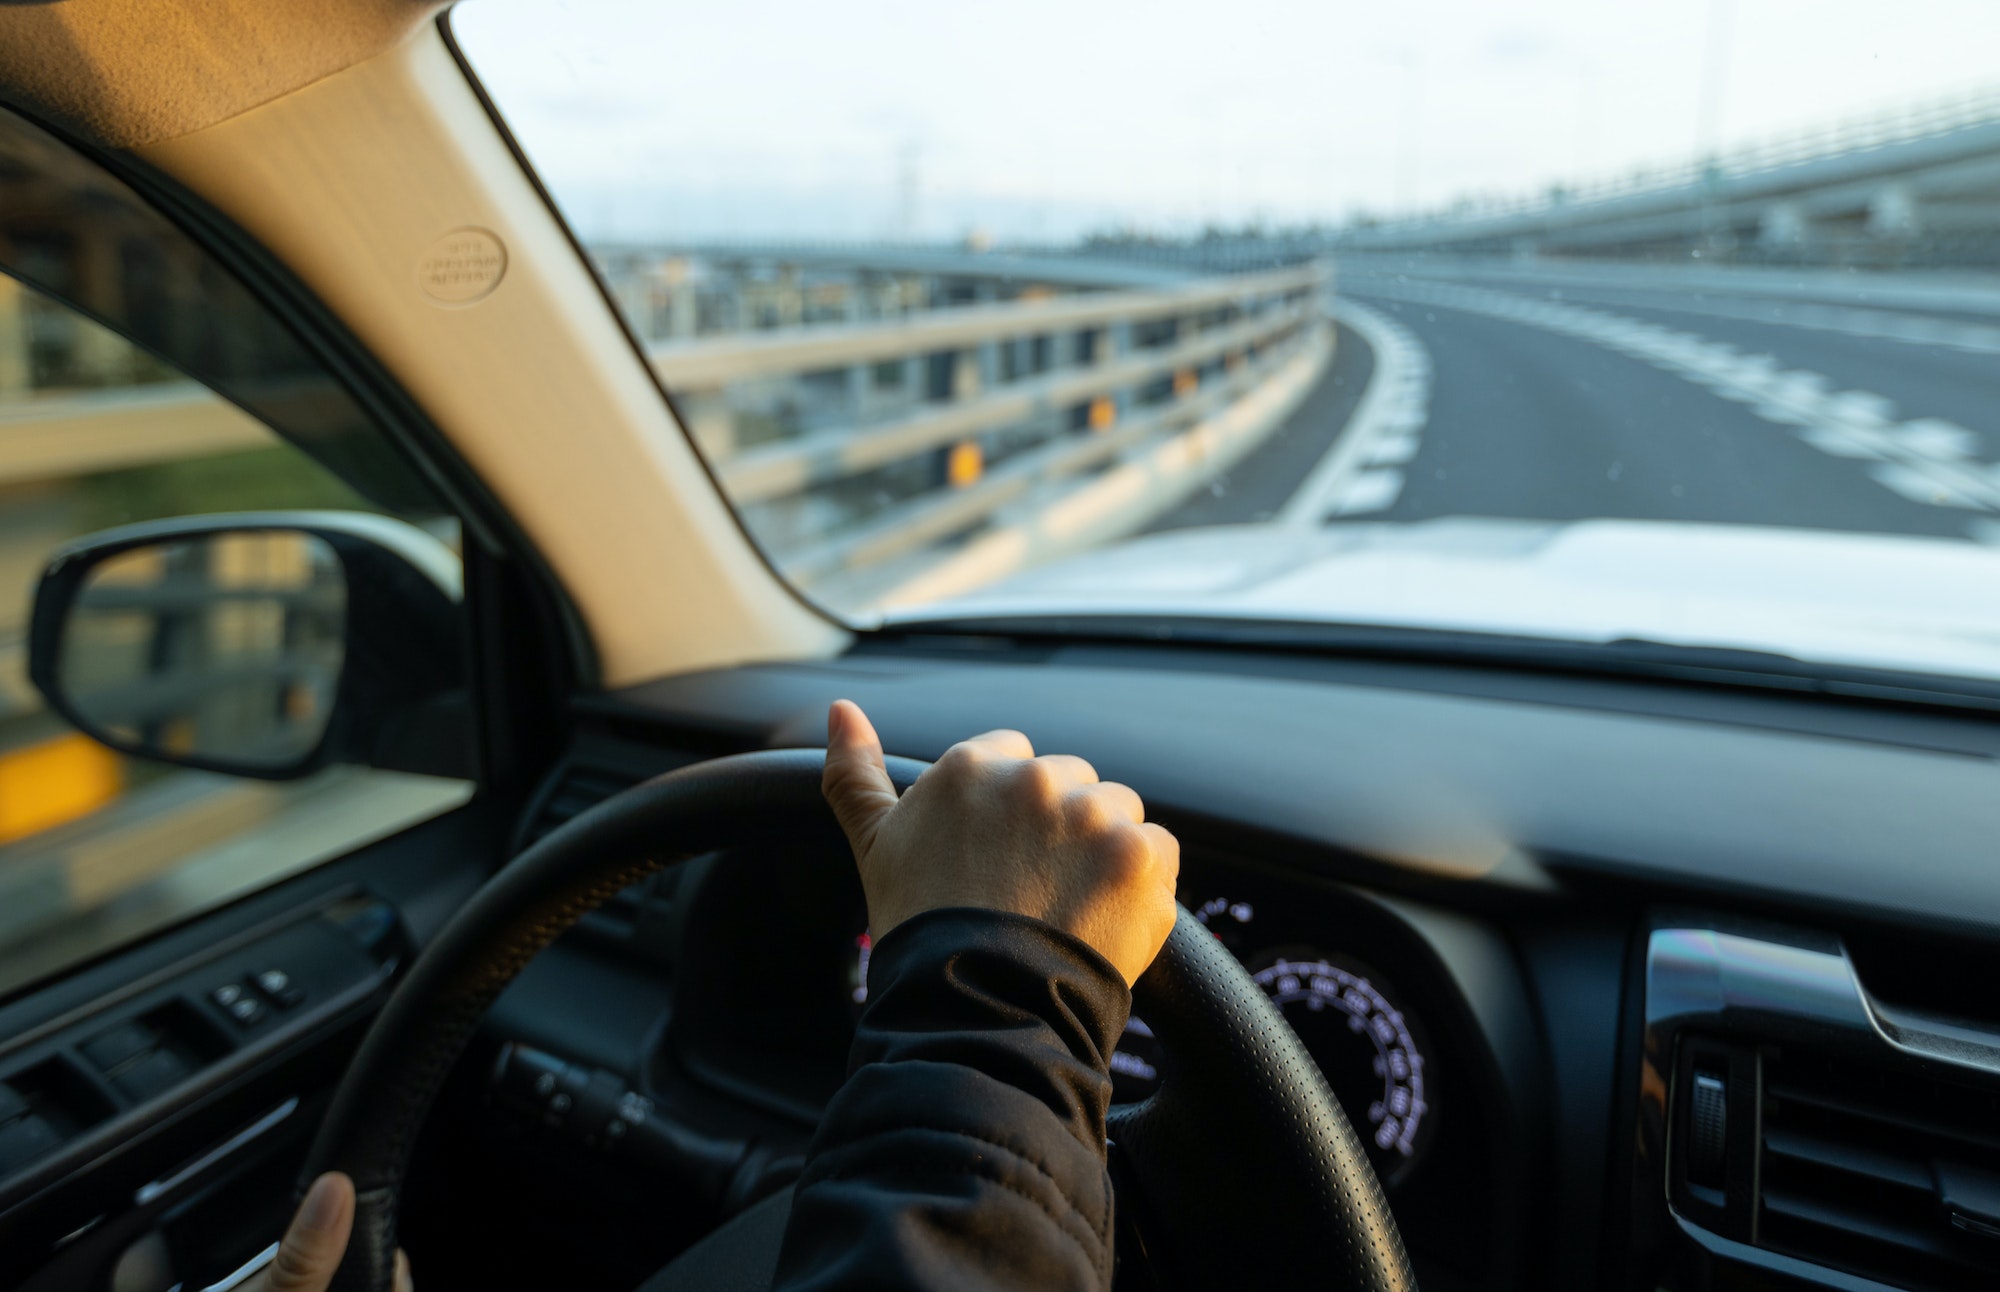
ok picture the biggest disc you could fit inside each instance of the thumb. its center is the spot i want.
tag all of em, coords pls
(856, 783)
(311, 1249)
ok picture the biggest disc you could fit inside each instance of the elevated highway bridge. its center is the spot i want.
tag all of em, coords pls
(1919, 186)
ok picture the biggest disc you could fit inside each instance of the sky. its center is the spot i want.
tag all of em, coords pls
(1043, 120)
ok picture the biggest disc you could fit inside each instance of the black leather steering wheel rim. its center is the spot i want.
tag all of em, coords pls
(1244, 1165)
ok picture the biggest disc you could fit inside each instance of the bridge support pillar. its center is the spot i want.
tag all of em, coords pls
(1784, 226)
(1893, 212)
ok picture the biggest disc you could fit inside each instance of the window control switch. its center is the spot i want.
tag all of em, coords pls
(278, 988)
(152, 1075)
(23, 1140)
(119, 1044)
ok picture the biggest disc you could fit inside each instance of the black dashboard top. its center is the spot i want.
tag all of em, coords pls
(1436, 776)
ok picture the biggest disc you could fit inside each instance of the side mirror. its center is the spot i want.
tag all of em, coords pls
(264, 644)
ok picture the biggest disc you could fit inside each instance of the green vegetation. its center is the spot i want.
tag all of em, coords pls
(274, 478)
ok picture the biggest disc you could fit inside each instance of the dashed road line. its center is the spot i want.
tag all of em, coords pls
(1362, 472)
(1929, 330)
(1927, 459)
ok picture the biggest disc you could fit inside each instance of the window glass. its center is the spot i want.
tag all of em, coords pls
(116, 335)
(1497, 326)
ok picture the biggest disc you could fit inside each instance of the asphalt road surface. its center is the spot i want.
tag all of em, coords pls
(1551, 400)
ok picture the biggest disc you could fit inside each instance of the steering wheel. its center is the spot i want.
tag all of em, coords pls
(1240, 1167)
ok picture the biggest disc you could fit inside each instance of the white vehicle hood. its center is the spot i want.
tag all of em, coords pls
(1866, 600)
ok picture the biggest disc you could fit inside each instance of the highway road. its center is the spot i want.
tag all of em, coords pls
(1555, 399)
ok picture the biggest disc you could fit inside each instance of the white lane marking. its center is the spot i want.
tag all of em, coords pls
(1874, 324)
(1391, 450)
(1352, 476)
(1920, 486)
(1926, 459)
(1368, 491)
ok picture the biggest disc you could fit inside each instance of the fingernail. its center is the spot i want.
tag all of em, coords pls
(321, 1206)
(836, 718)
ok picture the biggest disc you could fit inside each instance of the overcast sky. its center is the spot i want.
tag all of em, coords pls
(1044, 119)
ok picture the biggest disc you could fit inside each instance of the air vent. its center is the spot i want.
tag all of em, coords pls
(1890, 1174)
(574, 789)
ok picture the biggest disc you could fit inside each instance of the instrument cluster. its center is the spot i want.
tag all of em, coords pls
(775, 962)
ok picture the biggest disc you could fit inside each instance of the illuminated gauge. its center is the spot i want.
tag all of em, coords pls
(857, 971)
(1135, 1064)
(1370, 1050)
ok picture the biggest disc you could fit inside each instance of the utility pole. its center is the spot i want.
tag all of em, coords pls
(1411, 136)
(906, 190)
(1708, 120)
(1586, 121)
(1714, 77)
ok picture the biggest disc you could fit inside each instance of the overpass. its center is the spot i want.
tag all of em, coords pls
(1919, 185)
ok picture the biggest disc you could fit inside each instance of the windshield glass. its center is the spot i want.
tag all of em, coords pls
(1559, 320)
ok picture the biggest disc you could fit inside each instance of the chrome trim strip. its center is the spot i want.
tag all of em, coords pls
(166, 1184)
(245, 1272)
(1700, 973)
(1704, 973)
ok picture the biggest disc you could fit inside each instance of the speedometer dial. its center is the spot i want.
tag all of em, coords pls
(1367, 1047)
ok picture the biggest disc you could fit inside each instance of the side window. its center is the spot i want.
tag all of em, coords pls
(138, 382)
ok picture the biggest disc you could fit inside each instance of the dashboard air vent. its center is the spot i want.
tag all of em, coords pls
(1890, 1174)
(574, 789)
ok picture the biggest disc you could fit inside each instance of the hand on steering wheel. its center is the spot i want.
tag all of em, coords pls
(309, 1254)
(1241, 1167)
(992, 826)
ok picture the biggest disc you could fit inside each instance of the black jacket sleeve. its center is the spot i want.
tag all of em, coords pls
(966, 1149)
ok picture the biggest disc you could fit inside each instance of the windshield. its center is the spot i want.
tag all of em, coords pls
(1564, 321)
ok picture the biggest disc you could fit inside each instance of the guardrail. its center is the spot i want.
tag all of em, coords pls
(1123, 367)
(707, 364)
(72, 433)
(1086, 406)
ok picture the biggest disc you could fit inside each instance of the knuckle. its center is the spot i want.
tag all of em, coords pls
(1034, 785)
(1124, 854)
(293, 1268)
(1082, 768)
(959, 762)
(1089, 813)
(1099, 809)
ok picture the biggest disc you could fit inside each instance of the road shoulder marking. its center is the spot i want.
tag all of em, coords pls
(1361, 472)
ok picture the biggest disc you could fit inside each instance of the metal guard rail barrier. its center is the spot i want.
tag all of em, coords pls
(901, 529)
(770, 471)
(1278, 326)
(711, 363)
(86, 431)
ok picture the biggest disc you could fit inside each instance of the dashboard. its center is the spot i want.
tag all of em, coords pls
(1459, 886)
